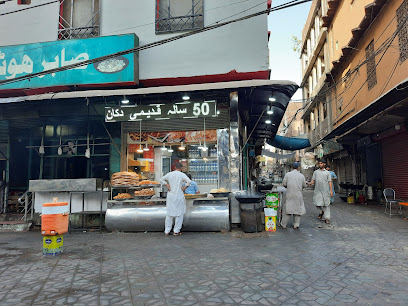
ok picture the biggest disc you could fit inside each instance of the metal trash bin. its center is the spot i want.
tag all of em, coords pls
(250, 211)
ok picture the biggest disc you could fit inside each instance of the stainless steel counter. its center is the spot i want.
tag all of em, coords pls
(203, 214)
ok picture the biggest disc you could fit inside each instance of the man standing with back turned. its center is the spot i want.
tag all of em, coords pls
(321, 198)
(175, 201)
(294, 181)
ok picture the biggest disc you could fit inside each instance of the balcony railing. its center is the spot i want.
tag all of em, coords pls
(78, 33)
(319, 132)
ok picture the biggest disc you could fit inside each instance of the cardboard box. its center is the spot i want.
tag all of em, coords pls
(52, 245)
(272, 199)
(270, 224)
(270, 219)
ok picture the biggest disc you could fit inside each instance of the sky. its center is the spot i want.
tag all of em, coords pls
(283, 61)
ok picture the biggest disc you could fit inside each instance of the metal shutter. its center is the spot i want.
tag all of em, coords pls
(395, 164)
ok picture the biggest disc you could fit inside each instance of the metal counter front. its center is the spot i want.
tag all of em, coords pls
(203, 214)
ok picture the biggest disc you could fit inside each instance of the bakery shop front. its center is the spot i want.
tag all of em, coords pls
(154, 142)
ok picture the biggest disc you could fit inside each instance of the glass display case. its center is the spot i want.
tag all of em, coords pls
(203, 166)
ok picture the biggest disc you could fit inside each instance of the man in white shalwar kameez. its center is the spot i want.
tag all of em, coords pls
(175, 201)
(321, 197)
(294, 181)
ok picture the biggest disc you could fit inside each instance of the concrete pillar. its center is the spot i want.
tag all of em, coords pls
(319, 67)
(310, 85)
(235, 153)
(314, 77)
(312, 121)
(304, 66)
(312, 39)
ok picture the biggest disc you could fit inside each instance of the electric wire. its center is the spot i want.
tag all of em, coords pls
(28, 8)
(148, 46)
(386, 44)
(135, 27)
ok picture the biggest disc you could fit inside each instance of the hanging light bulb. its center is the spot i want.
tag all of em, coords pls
(182, 147)
(186, 97)
(268, 121)
(170, 150)
(60, 148)
(204, 147)
(41, 149)
(87, 151)
(125, 100)
(270, 111)
(164, 147)
(140, 149)
(146, 148)
(200, 146)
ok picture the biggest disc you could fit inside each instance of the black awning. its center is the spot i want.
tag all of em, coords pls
(258, 101)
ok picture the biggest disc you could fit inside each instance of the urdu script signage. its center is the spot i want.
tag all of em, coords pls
(182, 110)
(22, 60)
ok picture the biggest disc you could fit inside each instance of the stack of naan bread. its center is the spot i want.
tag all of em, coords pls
(145, 192)
(124, 178)
(218, 190)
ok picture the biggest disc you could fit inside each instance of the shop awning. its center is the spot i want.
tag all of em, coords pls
(286, 87)
(289, 143)
(383, 106)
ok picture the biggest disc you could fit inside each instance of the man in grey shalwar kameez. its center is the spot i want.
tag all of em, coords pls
(321, 197)
(294, 181)
(175, 201)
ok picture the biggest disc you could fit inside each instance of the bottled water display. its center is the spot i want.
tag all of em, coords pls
(204, 172)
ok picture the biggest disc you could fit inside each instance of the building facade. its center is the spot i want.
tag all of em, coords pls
(58, 124)
(365, 93)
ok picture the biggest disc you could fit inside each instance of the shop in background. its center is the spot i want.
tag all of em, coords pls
(153, 154)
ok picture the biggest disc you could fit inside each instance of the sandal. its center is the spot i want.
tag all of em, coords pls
(166, 234)
(177, 234)
(320, 216)
(327, 221)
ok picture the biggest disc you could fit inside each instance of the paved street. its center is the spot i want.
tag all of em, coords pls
(361, 259)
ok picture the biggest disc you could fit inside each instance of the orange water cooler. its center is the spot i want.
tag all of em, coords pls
(54, 218)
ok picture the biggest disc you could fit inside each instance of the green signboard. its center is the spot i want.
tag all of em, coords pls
(23, 60)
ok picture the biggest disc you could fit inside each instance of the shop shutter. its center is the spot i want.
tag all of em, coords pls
(341, 174)
(348, 165)
(345, 173)
(395, 164)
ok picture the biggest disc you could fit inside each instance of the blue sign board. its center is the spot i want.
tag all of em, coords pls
(21, 60)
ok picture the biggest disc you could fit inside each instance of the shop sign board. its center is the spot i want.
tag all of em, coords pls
(181, 110)
(22, 60)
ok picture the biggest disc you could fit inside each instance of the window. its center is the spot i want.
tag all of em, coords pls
(371, 69)
(78, 19)
(402, 15)
(347, 79)
(21, 2)
(339, 106)
(179, 15)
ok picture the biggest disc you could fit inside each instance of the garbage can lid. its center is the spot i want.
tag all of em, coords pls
(248, 196)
